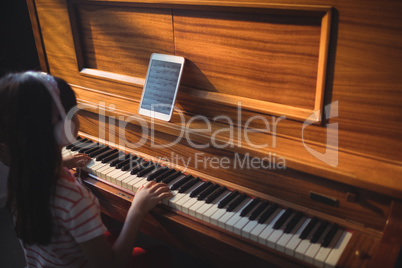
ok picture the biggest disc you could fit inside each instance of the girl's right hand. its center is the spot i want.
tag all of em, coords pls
(148, 196)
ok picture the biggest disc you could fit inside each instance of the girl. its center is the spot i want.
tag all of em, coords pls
(56, 219)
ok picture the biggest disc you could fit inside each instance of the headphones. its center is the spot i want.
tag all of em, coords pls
(63, 126)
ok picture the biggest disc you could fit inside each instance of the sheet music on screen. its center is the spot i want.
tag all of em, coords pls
(161, 86)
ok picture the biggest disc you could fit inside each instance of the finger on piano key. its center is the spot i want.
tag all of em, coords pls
(291, 246)
(176, 181)
(336, 252)
(286, 237)
(263, 236)
(323, 253)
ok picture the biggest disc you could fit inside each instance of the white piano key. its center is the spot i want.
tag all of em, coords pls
(305, 243)
(295, 240)
(126, 181)
(261, 226)
(136, 183)
(199, 213)
(100, 171)
(214, 208)
(285, 238)
(245, 232)
(263, 236)
(315, 247)
(176, 197)
(323, 253)
(277, 234)
(126, 178)
(186, 197)
(336, 252)
(236, 217)
(185, 206)
(115, 174)
(222, 221)
(175, 192)
(195, 206)
(107, 171)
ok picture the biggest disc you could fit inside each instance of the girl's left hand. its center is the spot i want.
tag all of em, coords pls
(76, 161)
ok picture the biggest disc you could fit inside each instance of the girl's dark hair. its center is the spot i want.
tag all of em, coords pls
(26, 128)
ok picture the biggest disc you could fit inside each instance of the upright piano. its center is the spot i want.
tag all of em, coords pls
(288, 116)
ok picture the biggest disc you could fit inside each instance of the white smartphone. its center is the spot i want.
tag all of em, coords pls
(161, 86)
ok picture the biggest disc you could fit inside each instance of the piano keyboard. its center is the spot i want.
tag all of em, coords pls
(312, 240)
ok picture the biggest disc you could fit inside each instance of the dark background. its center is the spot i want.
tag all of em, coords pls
(17, 45)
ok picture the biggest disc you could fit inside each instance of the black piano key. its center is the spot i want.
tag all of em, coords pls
(156, 173)
(227, 199)
(132, 162)
(111, 157)
(90, 151)
(188, 185)
(145, 170)
(105, 154)
(138, 166)
(249, 207)
(119, 163)
(206, 192)
(236, 202)
(98, 151)
(282, 219)
(78, 140)
(258, 210)
(164, 175)
(215, 194)
(179, 183)
(292, 223)
(89, 147)
(122, 158)
(81, 144)
(127, 166)
(308, 228)
(330, 235)
(199, 189)
(171, 177)
(317, 234)
(264, 216)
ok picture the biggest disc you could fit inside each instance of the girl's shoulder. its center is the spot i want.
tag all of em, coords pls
(69, 190)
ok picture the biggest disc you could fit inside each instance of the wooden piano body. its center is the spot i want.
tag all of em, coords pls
(311, 91)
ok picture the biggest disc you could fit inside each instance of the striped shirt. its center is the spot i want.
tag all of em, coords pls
(76, 219)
